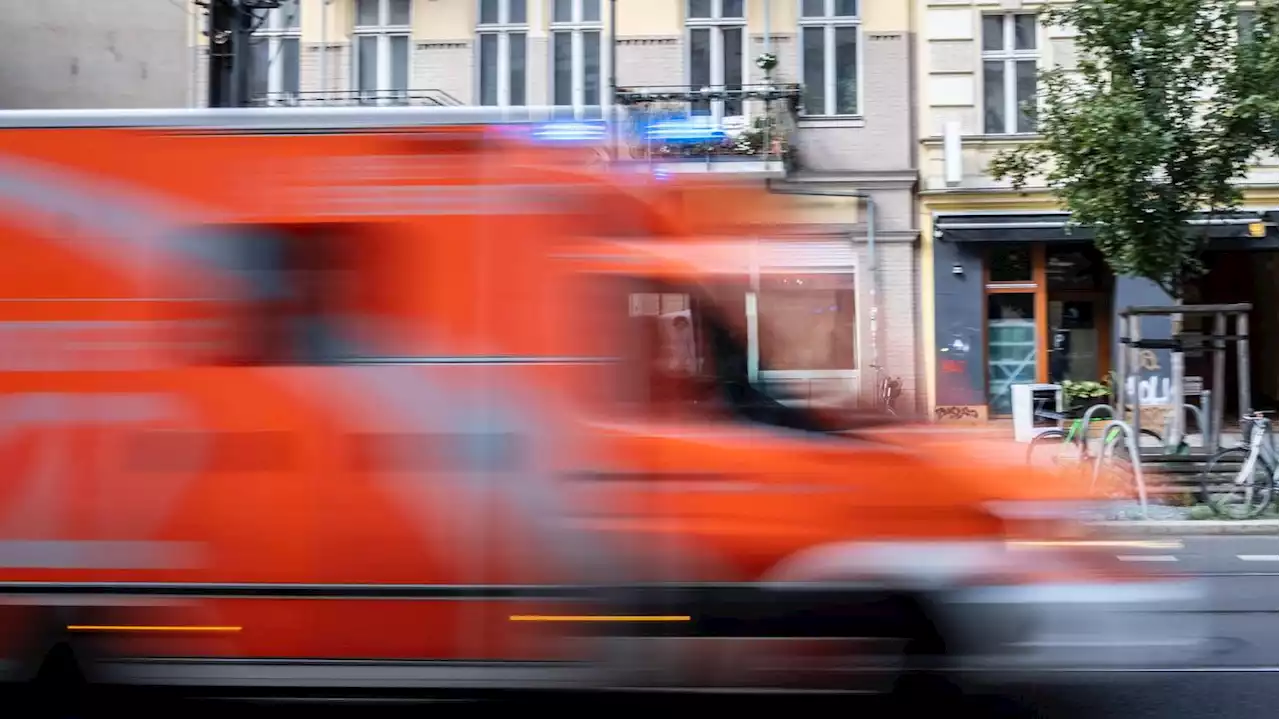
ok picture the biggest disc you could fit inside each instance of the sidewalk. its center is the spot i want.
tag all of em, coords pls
(1246, 527)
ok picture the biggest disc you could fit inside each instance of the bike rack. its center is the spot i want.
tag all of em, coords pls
(1135, 460)
(1196, 412)
(1087, 419)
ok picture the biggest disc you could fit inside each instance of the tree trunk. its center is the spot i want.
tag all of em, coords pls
(1177, 368)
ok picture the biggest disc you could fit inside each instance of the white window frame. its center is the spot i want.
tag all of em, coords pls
(829, 21)
(851, 378)
(382, 34)
(276, 31)
(577, 26)
(503, 29)
(1010, 57)
(717, 25)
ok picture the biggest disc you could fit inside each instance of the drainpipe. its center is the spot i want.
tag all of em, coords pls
(614, 112)
(871, 253)
(324, 51)
(768, 32)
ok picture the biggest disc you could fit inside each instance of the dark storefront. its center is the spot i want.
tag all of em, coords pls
(1020, 300)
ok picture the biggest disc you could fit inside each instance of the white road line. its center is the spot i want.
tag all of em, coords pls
(1259, 557)
(1146, 557)
(1113, 544)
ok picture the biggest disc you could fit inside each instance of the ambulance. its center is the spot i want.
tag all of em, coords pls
(382, 399)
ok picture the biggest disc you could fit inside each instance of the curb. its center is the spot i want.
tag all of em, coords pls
(1248, 527)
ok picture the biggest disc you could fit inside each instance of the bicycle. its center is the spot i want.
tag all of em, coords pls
(888, 389)
(1257, 482)
(1070, 446)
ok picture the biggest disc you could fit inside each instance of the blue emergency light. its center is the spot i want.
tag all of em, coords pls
(571, 131)
(692, 130)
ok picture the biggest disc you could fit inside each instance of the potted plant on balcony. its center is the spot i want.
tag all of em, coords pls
(764, 129)
(767, 61)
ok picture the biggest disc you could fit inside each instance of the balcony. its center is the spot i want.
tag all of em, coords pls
(357, 98)
(748, 130)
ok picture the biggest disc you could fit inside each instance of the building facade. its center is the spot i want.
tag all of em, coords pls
(59, 54)
(1009, 296)
(839, 102)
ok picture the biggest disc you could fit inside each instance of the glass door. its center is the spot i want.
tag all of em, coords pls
(1014, 282)
(1012, 349)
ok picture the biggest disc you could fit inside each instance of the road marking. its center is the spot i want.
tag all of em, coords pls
(1146, 558)
(1115, 544)
(1259, 557)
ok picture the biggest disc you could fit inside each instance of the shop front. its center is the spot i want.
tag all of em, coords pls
(1021, 298)
(802, 313)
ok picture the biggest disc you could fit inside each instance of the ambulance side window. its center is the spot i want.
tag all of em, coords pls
(664, 359)
(296, 284)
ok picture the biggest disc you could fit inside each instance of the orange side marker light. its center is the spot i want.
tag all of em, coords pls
(153, 629)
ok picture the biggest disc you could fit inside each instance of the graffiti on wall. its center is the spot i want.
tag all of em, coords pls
(1149, 390)
(1155, 387)
(957, 377)
(960, 413)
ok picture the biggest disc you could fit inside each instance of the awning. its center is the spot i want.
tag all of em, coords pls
(1238, 228)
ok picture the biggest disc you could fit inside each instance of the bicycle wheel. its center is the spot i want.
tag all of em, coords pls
(1050, 449)
(1230, 494)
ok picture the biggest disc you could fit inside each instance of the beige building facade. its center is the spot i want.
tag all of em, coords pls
(848, 133)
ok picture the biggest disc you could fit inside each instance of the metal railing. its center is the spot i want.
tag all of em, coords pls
(687, 123)
(357, 98)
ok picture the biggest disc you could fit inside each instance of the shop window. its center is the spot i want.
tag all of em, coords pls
(1009, 263)
(1075, 268)
(807, 321)
(1011, 347)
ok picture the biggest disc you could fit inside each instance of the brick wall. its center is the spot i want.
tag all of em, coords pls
(650, 61)
(883, 138)
(447, 66)
(898, 273)
(335, 59)
(202, 78)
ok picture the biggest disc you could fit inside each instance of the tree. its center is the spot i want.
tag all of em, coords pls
(1256, 78)
(1168, 103)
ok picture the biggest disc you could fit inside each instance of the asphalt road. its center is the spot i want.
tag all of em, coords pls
(1238, 680)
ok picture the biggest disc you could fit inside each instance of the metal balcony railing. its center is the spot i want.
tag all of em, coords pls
(748, 124)
(357, 98)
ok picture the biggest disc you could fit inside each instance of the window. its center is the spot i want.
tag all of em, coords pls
(302, 292)
(1246, 21)
(1009, 264)
(681, 359)
(275, 53)
(575, 55)
(382, 50)
(807, 321)
(717, 52)
(1008, 72)
(829, 48)
(503, 52)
